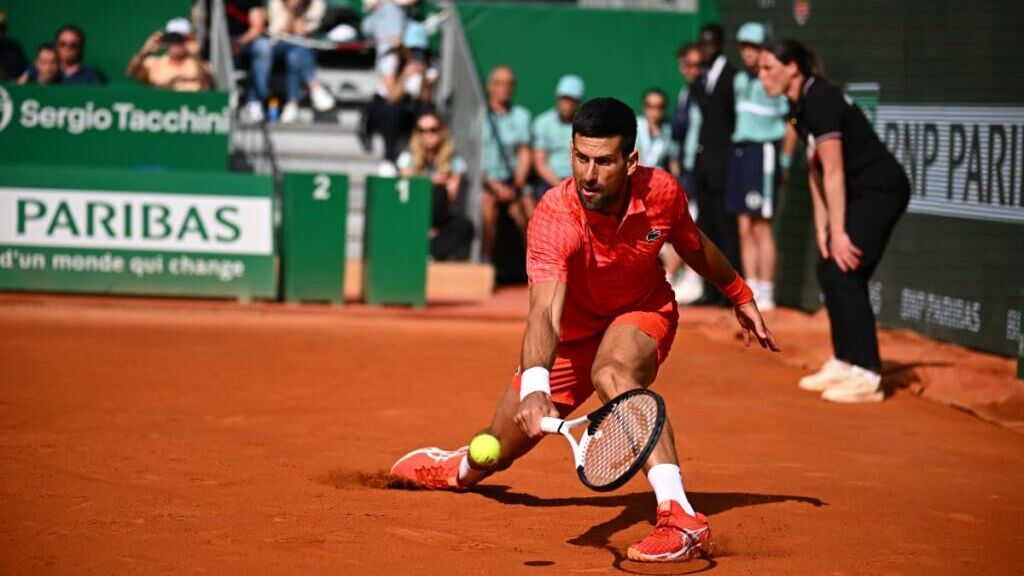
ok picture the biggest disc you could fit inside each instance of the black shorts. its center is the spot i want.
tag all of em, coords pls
(753, 179)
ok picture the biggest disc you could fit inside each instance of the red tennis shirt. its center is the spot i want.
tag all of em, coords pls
(609, 266)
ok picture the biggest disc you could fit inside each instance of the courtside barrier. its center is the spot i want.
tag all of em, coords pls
(114, 126)
(129, 232)
(397, 240)
(313, 239)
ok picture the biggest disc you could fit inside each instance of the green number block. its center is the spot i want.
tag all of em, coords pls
(397, 240)
(313, 242)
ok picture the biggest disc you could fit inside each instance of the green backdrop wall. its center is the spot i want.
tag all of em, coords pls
(114, 29)
(618, 53)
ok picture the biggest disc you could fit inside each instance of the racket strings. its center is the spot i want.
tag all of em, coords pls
(619, 439)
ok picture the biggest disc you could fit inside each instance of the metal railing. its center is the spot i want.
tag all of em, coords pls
(461, 97)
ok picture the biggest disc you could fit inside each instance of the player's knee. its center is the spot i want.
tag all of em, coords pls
(611, 379)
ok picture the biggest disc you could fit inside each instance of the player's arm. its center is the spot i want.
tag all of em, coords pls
(539, 345)
(708, 261)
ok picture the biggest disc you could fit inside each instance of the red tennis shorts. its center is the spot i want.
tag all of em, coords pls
(570, 374)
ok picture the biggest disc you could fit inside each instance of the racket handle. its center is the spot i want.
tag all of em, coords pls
(550, 425)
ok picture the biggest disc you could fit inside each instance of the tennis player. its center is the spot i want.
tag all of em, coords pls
(602, 316)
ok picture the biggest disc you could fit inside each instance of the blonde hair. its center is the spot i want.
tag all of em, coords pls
(443, 156)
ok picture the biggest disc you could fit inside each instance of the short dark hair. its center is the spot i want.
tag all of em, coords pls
(788, 50)
(605, 118)
(72, 28)
(46, 46)
(685, 48)
(712, 34)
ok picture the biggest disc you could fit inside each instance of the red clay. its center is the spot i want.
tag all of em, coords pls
(225, 440)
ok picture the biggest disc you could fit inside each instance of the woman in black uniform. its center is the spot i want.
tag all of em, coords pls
(859, 192)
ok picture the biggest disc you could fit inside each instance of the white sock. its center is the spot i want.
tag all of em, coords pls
(755, 287)
(667, 481)
(768, 289)
(464, 468)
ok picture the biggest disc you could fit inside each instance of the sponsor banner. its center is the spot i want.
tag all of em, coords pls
(114, 126)
(963, 161)
(136, 233)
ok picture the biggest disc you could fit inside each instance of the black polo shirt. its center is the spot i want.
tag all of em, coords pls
(824, 112)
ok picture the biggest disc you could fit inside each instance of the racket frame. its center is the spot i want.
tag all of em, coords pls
(551, 425)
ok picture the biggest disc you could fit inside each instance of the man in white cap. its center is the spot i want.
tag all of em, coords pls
(179, 67)
(552, 134)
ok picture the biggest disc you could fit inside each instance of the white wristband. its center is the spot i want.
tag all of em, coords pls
(536, 379)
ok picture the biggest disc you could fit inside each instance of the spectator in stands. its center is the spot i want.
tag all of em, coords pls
(654, 134)
(404, 91)
(688, 285)
(289, 22)
(45, 69)
(756, 166)
(70, 52)
(179, 67)
(12, 57)
(506, 157)
(432, 154)
(715, 97)
(246, 21)
(552, 135)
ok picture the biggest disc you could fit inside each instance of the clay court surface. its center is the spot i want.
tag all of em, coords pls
(250, 440)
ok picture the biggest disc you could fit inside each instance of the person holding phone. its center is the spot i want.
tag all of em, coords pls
(179, 67)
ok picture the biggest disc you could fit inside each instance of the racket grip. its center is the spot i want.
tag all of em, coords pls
(550, 425)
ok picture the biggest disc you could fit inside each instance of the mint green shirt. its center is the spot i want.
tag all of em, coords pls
(513, 131)
(692, 141)
(759, 117)
(553, 136)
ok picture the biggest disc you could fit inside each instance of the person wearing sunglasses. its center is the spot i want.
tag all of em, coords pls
(432, 154)
(70, 43)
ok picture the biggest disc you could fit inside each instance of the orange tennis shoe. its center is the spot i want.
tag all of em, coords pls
(676, 536)
(431, 467)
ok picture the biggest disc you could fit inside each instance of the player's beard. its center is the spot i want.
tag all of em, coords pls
(602, 201)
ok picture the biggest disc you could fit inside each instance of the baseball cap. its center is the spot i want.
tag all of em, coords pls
(570, 86)
(751, 33)
(177, 29)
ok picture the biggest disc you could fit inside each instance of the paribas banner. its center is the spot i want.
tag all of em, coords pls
(963, 161)
(78, 230)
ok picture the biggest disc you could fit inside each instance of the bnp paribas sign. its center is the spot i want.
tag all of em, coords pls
(105, 126)
(78, 230)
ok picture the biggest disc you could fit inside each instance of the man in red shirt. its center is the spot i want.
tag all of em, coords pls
(602, 316)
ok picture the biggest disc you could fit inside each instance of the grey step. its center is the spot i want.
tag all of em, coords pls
(312, 140)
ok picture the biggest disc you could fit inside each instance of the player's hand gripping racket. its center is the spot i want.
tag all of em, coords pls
(619, 437)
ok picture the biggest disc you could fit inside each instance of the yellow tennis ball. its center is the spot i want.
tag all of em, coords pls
(484, 450)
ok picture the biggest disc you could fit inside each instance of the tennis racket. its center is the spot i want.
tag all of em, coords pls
(619, 437)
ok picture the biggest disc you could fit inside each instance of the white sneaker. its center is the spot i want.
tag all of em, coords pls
(321, 98)
(252, 113)
(833, 372)
(858, 386)
(290, 113)
(689, 287)
(765, 304)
